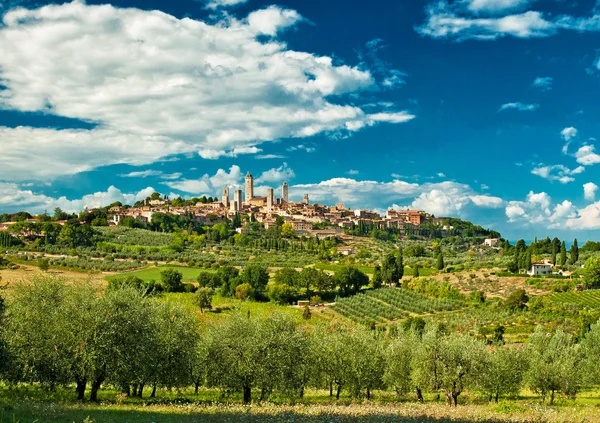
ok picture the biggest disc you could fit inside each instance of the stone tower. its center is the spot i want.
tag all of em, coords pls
(249, 187)
(270, 198)
(284, 192)
(305, 198)
(237, 197)
(225, 199)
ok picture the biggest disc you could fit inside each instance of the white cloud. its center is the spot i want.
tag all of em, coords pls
(558, 173)
(210, 154)
(270, 156)
(209, 185)
(271, 20)
(487, 201)
(216, 4)
(589, 191)
(568, 134)
(441, 175)
(442, 198)
(41, 153)
(495, 6)
(280, 174)
(302, 147)
(142, 174)
(491, 19)
(586, 219)
(523, 107)
(443, 21)
(193, 186)
(164, 85)
(223, 179)
(535, 209)
(352, 172)
(587, 155)
(12, 196)
(543, 83)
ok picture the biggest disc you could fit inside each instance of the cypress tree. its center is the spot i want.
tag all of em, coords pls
(563, 254)
(574, 253)
(440, 262)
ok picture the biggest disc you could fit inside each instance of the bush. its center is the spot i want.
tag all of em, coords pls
(171, 280)
(244, 292)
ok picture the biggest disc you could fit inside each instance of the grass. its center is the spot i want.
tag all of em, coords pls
(190, 274)
(224, 307)
(25, 405)
(335, 267)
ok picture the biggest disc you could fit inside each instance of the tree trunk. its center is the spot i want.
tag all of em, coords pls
(496, 398)
(448, 398)
(247, 394)
(455, 398)
(552, 397)
(263, 394)
(368, 393)
(126, 389)
(419, 394)
(339, 389)
(196, 386)
(96, 387)
(81, 384)
(153, 394)
(302, 392)
(330, 389)
(134, 390)
(140, 390)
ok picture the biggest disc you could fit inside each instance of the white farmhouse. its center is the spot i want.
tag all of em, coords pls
(540, 269)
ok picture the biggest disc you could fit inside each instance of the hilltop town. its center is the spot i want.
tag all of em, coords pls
(305, 217)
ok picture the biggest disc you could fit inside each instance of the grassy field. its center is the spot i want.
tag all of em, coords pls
(224, 307)
(35, 405)
(190, 274)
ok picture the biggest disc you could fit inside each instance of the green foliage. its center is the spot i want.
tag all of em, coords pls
(554, 364)
(171, 280)
(517, 300)
(592, 273)
(349, 280)
(203, 298)
(574, 253)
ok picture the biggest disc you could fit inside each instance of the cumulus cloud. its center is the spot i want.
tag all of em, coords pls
(558, 173)
(543, 83)
(493, 19)
(280, 174)
(442, 198)
(539, 210)
(42, 153)
(586, 155)
(523, 107)
(155, 85)
(589, 191)
(209, 185)
(14, 197)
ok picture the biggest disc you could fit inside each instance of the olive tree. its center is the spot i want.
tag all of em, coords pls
(502, 373)
(399, 356)
(553, 364)
(52, 332)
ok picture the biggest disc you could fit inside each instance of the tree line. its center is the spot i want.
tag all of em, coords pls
(61, 334)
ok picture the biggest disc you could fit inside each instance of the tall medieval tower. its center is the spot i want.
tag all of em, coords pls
(249, 187)
(284, 192)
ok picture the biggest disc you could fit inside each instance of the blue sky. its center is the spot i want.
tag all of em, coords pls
(480, 109)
